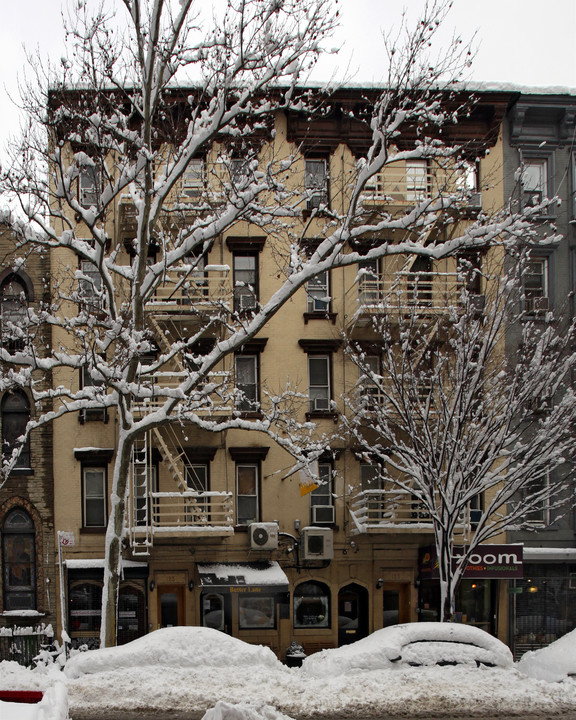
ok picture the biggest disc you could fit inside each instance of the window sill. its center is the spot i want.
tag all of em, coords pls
(249, 414)
(316, 212)
(93, 530)
(322, 415)
(320, 316)
(20, 472)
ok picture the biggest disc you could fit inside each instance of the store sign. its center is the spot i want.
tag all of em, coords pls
(493, 562)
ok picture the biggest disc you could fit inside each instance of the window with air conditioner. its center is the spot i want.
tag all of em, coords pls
(245, 281)
(319, 383)
(321, 498)
(318, 294)
(316, 183)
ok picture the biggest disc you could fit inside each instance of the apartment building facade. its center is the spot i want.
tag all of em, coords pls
(28, 602)
(539, 138)
(221, 530)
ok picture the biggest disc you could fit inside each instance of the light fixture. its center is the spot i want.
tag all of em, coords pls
(379, 583)
(191, 585)
(152, 585)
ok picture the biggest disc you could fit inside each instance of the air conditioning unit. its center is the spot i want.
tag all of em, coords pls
(264, 536)
(247, 302)
(317, 543)
(322, 514)
(319, 404)
(475, 200)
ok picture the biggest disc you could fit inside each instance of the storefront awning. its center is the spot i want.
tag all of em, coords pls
(549, 554)
(262, 577)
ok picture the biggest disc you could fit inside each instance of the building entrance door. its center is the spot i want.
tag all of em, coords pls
(352, 614)
(396, 603)
(171, 609)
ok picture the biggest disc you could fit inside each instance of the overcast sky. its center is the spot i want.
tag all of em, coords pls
(524, 42)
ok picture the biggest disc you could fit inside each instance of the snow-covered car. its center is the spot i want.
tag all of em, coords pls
(553, 663)
(425, 643)
(191, 647)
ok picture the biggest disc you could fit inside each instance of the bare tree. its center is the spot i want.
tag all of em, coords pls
(157, 135)
(472, 439)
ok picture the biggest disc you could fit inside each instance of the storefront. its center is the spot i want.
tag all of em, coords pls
(479, 595)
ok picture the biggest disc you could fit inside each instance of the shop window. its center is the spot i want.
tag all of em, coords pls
(246, 382)
(213, 611)
(321, 498)
(18, 561)
(245, 281)
(319, 387)
(247, 493)
(318, 294)
(94, 496)
(311, 605)
(316, 183)
(14, 309)
(15, 410)
(257, 613)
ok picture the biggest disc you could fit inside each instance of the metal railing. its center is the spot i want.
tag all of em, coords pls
(405, 290)
(23, 644)
(188, 510)
(186, 291)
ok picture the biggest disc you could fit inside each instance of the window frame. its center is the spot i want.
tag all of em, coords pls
(540, 190)
(24, 462)
(18, 304)
(91, 414)
(537, 298)
(93, 189)
(316, 184)
(416, 190)
(323, 595)
(318, 288)
(246, 404)
(255, 516)
(327, 396)
(28, 533)
(90, 286)
(194, 179)
(103, 498)
(242, 287)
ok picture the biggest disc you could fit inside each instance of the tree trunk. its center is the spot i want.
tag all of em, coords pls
(113, 554)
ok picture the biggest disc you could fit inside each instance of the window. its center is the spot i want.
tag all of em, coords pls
(369, 282)
(536, 285)
(316, 183)
(311, 605)
(15, 418)
(369, 374)
(196, 283)
(245, 281)
(318, 294)
(90, 285)
(538, 489)
(321, 499)
(247, 387)
(18, 561)
(256, 612)
(372, 486)
(94, 496)
(197, 480)
(419, 282)
(14, 310)
(247, 491)
(319, 391)
(193, 180)
(417, 184)
(534, 181)
(87, 380)
(88, 186)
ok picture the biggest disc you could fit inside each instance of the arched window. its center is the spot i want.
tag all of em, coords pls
(15, 411)
(13, 308)
(18, 561)
(311, 605)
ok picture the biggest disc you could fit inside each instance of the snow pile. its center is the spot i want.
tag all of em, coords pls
(182, 647)
(227, 711)
(14, 676)
(422, 643)
(53, 706)
(553, 663)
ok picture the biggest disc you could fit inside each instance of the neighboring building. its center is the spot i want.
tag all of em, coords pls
(539, 138)
(28, 597)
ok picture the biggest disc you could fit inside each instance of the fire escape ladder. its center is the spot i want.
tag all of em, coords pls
(140, 510)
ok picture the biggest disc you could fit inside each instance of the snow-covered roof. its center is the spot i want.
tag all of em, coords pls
(98, 563)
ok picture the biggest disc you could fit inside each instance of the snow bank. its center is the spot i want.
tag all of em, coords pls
(242, 711)
(553, 663)
(445, 642)
(184, 647)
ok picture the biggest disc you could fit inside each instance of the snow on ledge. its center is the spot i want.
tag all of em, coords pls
(98, 563)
